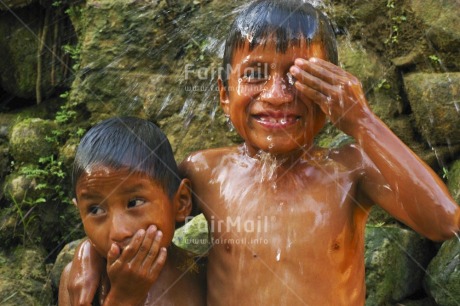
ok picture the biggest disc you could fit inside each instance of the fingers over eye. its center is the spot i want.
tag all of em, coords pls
(323, 70)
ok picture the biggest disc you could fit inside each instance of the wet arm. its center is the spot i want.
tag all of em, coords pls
(411, 191)
(85, 274)
(64, 298)
(394, 177)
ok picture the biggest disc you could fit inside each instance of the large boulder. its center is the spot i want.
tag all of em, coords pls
(406, 252)
(442, 278)
(434, 99)
(28, 140)
(442, 19)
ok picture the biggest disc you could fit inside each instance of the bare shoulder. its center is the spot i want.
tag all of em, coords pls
(204, 160)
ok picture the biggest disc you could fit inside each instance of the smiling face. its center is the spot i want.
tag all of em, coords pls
(115, 203)
(262, 101)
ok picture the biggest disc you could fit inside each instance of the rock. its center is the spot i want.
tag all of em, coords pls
(442, 278)
(406, 252)
(375, 78)
(63, 258)
(435, 101)
(24, 278)
(408, 60)
(28, 140)
(193, 236)
(453, 180)
(442, 19)
(18, 186)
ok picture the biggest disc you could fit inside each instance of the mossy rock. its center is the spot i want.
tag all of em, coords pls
(434, 99)
(64, 257)
(453, 180)
(442, 278)
(442, 19)
(28, 140)
(193, 236)
(24, 278)
(395, 260)
(18, 186)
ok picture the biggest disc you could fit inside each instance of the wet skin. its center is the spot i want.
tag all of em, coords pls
(293, 234)
(130, 220)
(306, 242)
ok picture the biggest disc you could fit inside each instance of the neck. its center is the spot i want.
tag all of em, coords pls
(282, 158)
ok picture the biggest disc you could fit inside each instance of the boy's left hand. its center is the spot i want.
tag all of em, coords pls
(338, 93)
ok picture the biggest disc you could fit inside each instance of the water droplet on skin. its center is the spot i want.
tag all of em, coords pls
(270, 146)
(283, 121)
(278, 255)
(291, 78)
(269, 138)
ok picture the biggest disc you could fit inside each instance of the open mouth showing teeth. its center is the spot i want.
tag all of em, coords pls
(276, 121)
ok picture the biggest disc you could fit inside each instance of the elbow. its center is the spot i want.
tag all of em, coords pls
(445, 231)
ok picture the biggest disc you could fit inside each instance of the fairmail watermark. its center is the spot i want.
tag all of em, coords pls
(259, 224)
(192, 72)
(232, 230)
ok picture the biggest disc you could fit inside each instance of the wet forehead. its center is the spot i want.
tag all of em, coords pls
(267, 53)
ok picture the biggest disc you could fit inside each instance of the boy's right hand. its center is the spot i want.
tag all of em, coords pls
(133, 270)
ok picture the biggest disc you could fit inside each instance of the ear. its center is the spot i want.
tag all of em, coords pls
(183, 200)
(223, 95)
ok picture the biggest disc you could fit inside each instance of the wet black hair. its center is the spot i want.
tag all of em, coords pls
(130, 142)
(289, 21)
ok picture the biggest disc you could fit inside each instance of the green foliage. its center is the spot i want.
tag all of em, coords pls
(395, 24)
(435, 59)
(44, 210)
(74, 52)
(445, 173)
(383, 84)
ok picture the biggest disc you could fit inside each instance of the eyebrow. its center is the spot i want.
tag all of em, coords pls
(90, 196)
(133, 189)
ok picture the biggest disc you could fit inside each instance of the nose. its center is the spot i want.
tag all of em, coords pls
(120, 229)
(278, 90)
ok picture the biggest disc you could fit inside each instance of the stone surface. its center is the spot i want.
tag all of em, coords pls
(27, 140)
(375, 78)
(435, 101)
(193, 236)
(23, 278)
(453, 180)
(443, 274)
(442, 19)
(64, 257)
(405, 252)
